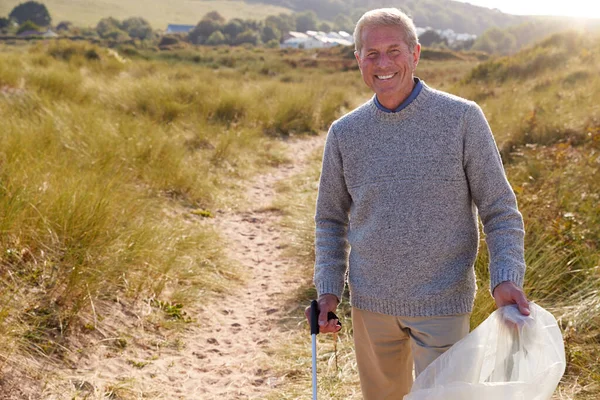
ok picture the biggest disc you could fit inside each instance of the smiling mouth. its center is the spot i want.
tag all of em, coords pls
(385, 77)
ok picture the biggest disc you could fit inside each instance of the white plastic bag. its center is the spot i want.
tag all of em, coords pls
(508, 357)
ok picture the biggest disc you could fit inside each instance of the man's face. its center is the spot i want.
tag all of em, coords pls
(387, 64)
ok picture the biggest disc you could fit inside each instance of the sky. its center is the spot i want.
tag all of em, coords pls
(572, 8)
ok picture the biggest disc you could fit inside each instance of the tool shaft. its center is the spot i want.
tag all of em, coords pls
(314, 366)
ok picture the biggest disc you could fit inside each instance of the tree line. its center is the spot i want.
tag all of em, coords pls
(321, 15)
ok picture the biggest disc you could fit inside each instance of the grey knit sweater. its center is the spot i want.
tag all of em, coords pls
(397, 208)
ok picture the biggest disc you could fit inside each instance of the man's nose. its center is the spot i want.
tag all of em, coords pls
(383, 60)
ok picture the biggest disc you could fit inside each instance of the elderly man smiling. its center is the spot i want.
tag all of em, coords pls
(404, 177)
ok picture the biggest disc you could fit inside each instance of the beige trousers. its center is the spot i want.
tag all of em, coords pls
(387, 346)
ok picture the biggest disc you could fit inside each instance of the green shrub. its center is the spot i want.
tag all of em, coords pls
(27, 26)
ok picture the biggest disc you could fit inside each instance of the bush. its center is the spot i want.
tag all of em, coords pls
(295, 114)
(216, 38)
(137, 28)
(229, 109)
(168, 41)
(524, 65)
(31, 11)
(108, 25)
(4, 23)
(273, 44)
(66, 50)
(28, 26)
(64, 26)
(203, 30)
(247, 37)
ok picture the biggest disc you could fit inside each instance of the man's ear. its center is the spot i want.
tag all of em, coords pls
(416, 55)
(357, 56)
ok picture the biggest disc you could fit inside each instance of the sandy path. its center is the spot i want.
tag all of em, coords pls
(224, 356)
(241, 327)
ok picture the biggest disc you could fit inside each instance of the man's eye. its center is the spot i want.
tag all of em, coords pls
(394, 52)
(371, 55)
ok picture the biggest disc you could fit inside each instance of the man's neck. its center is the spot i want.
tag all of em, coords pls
(398, 101)
(393, 101)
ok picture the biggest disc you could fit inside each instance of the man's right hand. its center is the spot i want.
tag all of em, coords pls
(327, 302)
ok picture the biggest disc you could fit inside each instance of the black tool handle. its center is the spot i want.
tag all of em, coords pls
(314, 318)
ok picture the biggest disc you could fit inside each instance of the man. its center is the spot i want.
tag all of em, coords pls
(403, 178)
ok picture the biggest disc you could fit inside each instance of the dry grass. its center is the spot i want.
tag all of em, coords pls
(109, 164)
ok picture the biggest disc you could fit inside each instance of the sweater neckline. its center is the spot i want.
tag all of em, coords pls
(404, 113)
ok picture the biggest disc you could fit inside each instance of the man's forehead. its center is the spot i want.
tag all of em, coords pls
(382, 35)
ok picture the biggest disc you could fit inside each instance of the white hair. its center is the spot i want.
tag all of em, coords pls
(386, 17)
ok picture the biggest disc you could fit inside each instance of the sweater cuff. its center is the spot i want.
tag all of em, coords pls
(503, 275)
(330, 287)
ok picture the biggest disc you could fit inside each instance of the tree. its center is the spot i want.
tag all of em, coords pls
(324, 27)
(215, 16)
(107, 25)
(431, 37)
(233, 28)
(64, 26)
(203, 30)
(247, 37)
(31, 11)
(4, 23)
(270, 33)
(28, 26)
(283, 22)
(137, 28)
(463, 45)
(343, 23)
(116, 35)
(496, 40)
(306, 21)
(216, 38)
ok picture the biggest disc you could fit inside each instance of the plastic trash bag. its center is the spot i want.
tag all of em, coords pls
(508, 357)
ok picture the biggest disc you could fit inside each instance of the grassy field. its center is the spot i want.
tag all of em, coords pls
(542, 106)
(158, 13)
(110, 160)
(109, 163)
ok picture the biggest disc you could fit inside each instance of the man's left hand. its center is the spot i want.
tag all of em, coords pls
(507, 293)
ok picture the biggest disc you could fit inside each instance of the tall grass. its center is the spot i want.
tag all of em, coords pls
(106, 166)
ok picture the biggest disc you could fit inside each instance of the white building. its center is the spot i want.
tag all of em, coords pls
(316, 40)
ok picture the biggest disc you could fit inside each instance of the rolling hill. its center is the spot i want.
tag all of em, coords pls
(158, 12)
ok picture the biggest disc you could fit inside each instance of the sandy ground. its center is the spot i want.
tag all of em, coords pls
(225, 355)
(243, 326)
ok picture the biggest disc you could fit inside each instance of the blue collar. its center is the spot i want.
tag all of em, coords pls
(413, 95)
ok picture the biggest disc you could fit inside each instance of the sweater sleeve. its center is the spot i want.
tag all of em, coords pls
(331, 219)
(495, 201)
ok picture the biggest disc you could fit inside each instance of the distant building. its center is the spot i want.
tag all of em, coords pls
(448, 34)
(316, 40)
(294, 35)
(173, 28)
(47, 34)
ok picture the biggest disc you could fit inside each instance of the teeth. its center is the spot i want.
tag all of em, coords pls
(385, 76)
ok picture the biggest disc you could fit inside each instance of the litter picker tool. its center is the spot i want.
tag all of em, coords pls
(314, 331)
